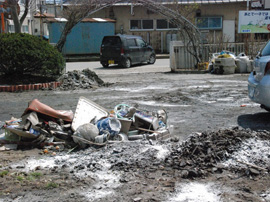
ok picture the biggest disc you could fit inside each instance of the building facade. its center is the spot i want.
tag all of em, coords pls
(216, 21)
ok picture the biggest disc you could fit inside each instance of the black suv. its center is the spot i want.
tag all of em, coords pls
(125, 50)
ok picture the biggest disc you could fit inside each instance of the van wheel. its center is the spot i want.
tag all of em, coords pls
(152, 59)
(127, 63)
(105, 64)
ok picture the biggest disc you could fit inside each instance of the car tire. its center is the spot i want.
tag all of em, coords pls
(127, 63)
(152, 59)
(265, 108)
(105, 64)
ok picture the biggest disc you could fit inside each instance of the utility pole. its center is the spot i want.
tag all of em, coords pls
(2, 18)
(55, 13)
(41, 24)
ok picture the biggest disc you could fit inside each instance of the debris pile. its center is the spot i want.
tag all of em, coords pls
(80, 79)
(203, 153)
(227, 62)
(43, 126)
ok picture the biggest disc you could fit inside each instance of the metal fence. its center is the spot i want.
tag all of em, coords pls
(181, 58)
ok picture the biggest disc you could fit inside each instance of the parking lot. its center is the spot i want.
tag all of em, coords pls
(194, 102)
(138, 170)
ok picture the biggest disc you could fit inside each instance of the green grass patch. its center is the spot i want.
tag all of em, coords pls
(30, 178)
(36, 174)
(20, 178)
(3, 173)
(51, 185)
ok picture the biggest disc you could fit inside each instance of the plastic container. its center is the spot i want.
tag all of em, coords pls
(125, 125)
(250, 66)
(225, 62)
(229, 69)
(110, 125)
(87, 111)
(241, 66)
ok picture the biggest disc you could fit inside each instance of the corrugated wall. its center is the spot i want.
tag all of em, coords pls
(85, 38)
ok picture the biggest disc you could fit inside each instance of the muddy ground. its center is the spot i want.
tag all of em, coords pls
(180, 169)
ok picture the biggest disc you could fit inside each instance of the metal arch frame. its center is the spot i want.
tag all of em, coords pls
(174, 17)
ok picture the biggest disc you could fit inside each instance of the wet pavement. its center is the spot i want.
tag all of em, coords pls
(136, 171)
(194, 102)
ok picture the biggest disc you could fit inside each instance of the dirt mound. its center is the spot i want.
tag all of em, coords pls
(205, 153)
(76, 79)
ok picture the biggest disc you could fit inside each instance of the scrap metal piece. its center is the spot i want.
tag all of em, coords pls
(41, 108)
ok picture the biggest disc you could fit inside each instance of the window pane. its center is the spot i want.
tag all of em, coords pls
(131, 42)
(172, 26)
(202, 23)
(162, 24)
(25, 28)
(135, 24)
(148, 24)
(140, 42)
(111, 41)
(11, 28)
(209, 23)
(215, 23)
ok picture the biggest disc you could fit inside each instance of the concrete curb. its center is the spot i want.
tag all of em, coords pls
(190, 71)
(26, 87)
(97, 58)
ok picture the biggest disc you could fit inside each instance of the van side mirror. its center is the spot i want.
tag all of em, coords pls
(258, 55)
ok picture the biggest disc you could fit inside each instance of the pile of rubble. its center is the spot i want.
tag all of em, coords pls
(76, 79)
(203, 153)
(42, 126)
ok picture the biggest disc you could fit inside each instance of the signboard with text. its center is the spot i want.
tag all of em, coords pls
(254, 21)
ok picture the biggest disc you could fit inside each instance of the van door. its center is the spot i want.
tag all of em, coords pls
(111, 47)
(134, 50)
(143, 53)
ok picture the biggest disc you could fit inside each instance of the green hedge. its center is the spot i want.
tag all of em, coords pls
(24, 54)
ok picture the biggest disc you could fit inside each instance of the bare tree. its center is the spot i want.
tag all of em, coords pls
(190, 35)
(77, 11)
(183, 18)
(13, 5)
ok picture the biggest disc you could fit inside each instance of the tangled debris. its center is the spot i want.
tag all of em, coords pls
(42, 126)
(76, 79)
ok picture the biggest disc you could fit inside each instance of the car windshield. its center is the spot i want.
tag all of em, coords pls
(266, 49)
(111, 41)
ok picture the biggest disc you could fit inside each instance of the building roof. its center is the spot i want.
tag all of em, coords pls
(129, 2)
(44, 15)
(126, 2)
(203, 1)
(99, 20)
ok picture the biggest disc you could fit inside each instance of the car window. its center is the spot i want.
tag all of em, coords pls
(111, 41)
(131, 42)
(140, 42)
(266, 49)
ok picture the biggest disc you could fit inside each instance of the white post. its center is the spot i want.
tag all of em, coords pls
(247, 5)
